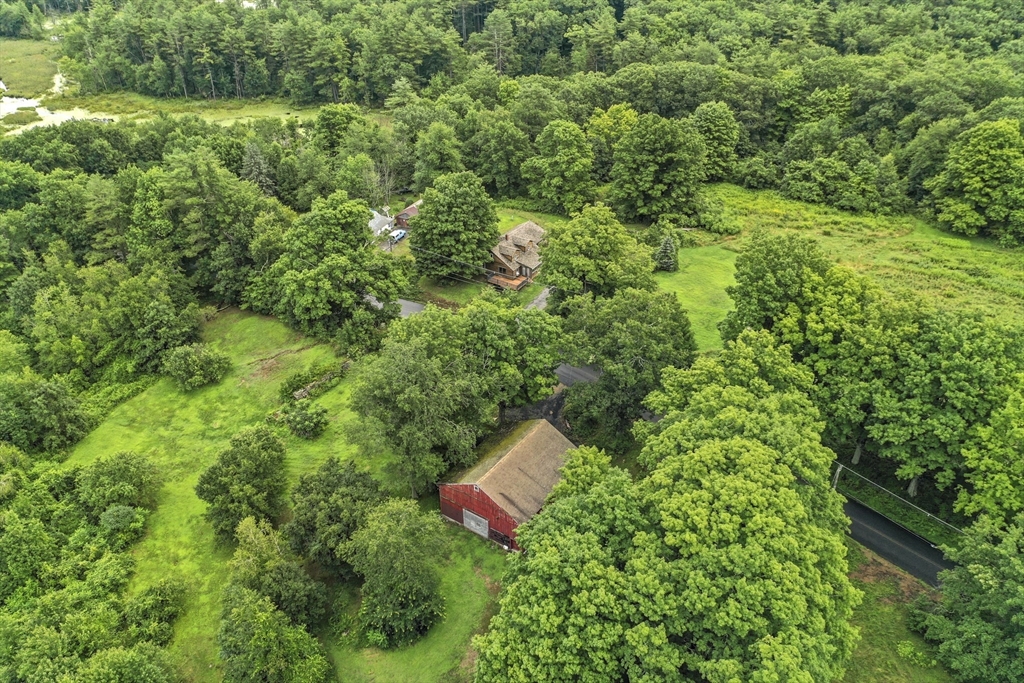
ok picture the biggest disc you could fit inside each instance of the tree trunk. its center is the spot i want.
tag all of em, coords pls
(857, 451)
(238, 79)
(501, 412)
(213, 88)
(912, 488)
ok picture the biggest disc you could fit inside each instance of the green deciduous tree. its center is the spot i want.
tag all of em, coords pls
(657, 168)
(328, 278)
(497, 153)
(329, 505)
(258, 644)
(994, 460)
(437, 153)
(397, 551)
(981, 187)
(615, 574)
(196, 365)
(121, 479)
(143, 663)
(976, 623)
(456, 228)
(604, 130)
(306, 419)
(440, 376)
(631, 336)
(595, 253)
(770, 274)
(264, 564)
(560, 174)
(37, 414)
(717, 126)
(247, 480)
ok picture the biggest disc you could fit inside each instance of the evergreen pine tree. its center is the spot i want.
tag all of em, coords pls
(256, 169)
(665, 257)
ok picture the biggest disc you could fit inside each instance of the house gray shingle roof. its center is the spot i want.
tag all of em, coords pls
(380, 223)
(519, 246)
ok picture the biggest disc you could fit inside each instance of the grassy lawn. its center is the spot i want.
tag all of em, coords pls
(25, 67)
(903, 254)
(509, 218)
(700, 282)
(883, 622)
(183, 433)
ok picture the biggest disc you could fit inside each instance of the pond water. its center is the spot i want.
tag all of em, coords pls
(9, 105)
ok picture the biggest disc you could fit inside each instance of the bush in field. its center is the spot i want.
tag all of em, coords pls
(247, 480)
(397, 551)
(196, 365)
(306, 419)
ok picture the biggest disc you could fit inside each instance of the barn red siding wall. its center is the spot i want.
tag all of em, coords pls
(468, 497)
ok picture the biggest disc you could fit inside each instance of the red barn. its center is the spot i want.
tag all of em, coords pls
(509, 487)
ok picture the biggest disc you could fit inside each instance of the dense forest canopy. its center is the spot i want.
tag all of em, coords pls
(118, 241)
(866, 106)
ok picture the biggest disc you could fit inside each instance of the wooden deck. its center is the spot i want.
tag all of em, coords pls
(514, 283)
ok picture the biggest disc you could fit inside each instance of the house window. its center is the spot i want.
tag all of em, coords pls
(502, 270)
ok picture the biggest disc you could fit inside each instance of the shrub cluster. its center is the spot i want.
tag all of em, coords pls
(196, 365)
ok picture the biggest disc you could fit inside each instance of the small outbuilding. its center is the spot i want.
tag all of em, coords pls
(409, 212)
(508, 487)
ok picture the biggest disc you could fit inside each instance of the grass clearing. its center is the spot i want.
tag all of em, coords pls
(700, 282)
(141, 107)
(26, 67)
(21, 117)
(903, 254)
(883, 620)
(183, 432)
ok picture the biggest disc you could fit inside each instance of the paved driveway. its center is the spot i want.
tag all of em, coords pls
(410, 307)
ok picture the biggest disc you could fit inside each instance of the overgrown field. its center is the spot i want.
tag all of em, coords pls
(226, 111)
(888, 651)
(903, 254)
(183, 433)
(25, 67)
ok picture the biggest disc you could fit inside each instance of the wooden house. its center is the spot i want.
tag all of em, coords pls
(516, 257)
(509, 487)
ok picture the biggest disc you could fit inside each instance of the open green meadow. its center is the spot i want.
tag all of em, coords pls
(26, 67)
(700, 282)
(183, 432)
(905, 255)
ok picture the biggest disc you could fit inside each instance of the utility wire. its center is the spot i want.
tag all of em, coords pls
(841, 467)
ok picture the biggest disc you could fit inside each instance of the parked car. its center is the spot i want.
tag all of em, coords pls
(397, 236)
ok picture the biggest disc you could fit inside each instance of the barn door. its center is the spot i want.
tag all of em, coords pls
(475, 523)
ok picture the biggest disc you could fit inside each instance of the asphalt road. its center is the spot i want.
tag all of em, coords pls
(903, 548)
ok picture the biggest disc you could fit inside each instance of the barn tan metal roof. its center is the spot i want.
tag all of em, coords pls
(521, 479)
